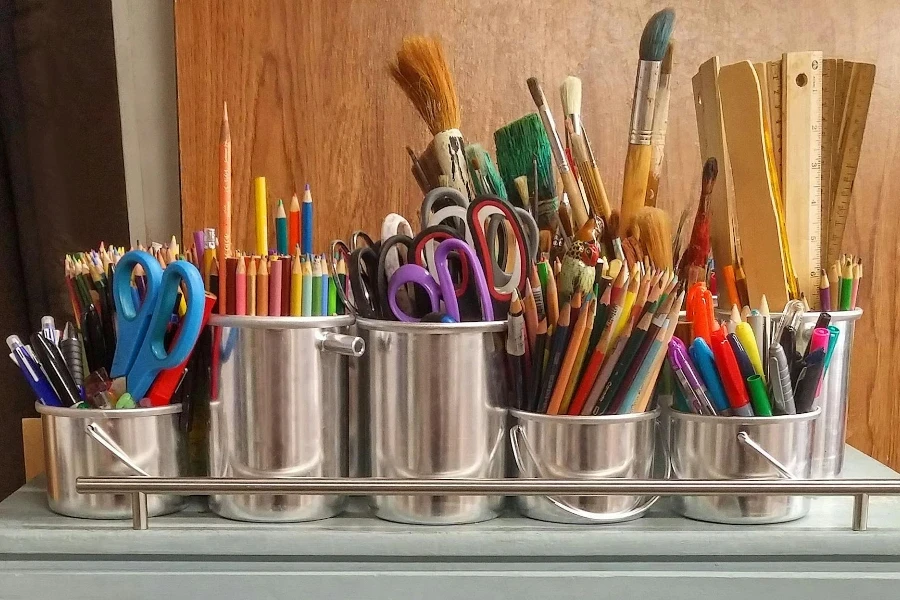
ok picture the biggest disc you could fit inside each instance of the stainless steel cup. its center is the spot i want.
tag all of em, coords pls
(830, 435)
(602, 447)
(281, 411)
(433, 399)
(712, 447)
(109, 443)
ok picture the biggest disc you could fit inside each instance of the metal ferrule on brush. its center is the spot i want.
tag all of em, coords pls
(644, 102)
(556, 147)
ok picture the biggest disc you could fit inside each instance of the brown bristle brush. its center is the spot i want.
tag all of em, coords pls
(422, 72)
(655, 234)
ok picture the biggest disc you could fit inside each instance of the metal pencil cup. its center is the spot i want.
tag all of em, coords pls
(830, 436)
(435, 398)
(281, 411)
(110, 443)
(602, 447)
(712, 447)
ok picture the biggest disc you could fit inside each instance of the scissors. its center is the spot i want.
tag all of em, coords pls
(368, 274)
(140, 348)
(443, 289)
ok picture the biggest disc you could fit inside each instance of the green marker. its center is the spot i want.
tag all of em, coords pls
(762, 406)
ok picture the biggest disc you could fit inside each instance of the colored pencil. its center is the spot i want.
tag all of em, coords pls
(262, 219)
(557, 350)
(294, 224)
(281, 229)
(262, 287)
(571, 354)
(275, 276)
(251, 287)
(296, 287)
(224, 249)
(515, 349)
(579, 357)
(306, 239)
(316, 286)
(240, 287)
(307, 297)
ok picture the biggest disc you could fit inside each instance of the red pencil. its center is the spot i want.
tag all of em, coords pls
(240, 287)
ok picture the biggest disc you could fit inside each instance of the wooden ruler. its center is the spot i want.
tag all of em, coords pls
(802, 167)
(853, 126)
(829, 85)
(840, 97)
(712, 144)
(776, 120)
(757, 215)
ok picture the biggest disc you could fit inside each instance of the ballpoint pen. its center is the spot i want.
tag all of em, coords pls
(32, 372)
(56, 370)
(48, 330)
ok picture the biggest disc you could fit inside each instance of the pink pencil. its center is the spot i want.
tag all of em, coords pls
(275, 288)
(240, 287)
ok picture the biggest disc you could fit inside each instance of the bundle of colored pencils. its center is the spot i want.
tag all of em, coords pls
(592, 353)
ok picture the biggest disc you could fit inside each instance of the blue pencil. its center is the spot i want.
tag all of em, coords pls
(306, 218)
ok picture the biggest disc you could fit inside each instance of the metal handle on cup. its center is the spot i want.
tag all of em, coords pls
(348, 345)
(101, 437)
(515, 431)
(744, 438)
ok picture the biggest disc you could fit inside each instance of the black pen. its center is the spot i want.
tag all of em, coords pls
(55, 368)
(808, 382)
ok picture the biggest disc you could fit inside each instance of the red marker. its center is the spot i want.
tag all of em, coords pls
(728, 367)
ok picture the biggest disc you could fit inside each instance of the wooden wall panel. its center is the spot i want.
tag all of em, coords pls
(311, 101)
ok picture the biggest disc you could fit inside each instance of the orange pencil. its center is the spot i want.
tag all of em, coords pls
(240, 287)
(262, 288)
(592, 370)
(251, 287)
(224, 249)
(565, 370)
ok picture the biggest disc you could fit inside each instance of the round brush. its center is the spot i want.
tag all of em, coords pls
(422, 72)
(660, 125)
(654, 42)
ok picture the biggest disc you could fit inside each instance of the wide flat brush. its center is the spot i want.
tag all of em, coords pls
(422, 72)
(523, 150)
(579, 207)
(654, 42)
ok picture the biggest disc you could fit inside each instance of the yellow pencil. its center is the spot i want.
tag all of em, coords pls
(628, 302)
(262, 232)
(296, 288)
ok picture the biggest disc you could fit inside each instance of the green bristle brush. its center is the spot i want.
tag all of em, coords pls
(483, 172)
(518, 145)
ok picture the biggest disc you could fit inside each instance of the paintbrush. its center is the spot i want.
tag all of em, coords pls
(655, 235)
(485, 177)
(422, 72)
(660, 125)
(654, 42)
(523, 150)
(570, 93)
(570, 185)
(698, 249)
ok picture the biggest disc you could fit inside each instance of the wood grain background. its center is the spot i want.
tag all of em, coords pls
(310, 100)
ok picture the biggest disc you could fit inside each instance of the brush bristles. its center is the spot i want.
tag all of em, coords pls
(668, 59)
(570, 93)
(479, 159)
(537, 94)
(655, 235)
(656, 34)
(422, 72)
(518, 144)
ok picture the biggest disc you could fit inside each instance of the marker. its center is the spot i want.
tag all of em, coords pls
(703, 357)
(732, 380)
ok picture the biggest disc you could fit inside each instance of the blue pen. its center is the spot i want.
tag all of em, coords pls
(32, 372)
(702, 356)
(306, 220)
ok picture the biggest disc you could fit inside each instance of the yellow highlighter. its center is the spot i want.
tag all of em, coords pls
(745, 336)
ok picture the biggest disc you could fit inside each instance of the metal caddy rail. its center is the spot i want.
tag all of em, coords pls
(139, 487)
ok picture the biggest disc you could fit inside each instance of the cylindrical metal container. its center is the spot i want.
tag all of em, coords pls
(435, 397)
(830, 435)
(281, 411)
(602, 447)
(97, 443)
(712, 447)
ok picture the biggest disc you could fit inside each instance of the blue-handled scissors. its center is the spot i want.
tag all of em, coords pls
(140, 347)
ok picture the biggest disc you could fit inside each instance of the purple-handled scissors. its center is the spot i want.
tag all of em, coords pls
(442, 289)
